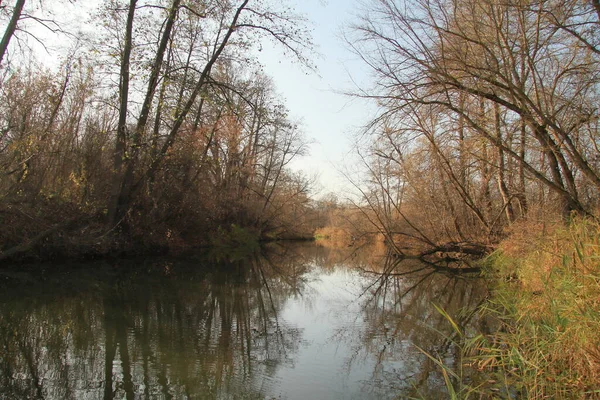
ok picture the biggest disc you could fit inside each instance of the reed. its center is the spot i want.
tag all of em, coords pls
(546, 302)
(544, 309)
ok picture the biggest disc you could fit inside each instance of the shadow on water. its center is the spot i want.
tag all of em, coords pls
(299, 321)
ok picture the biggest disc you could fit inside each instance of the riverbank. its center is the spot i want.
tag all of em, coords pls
(51, 230)
(48, 229)
(545, 297)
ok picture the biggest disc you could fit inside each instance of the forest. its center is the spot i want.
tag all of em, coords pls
(154, 128)
(488, 115)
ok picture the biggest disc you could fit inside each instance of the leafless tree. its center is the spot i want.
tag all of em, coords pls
(499, 96)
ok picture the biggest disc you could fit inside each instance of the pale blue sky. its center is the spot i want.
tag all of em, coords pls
(328, 118)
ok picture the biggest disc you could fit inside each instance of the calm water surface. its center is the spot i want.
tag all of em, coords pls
(298, 322)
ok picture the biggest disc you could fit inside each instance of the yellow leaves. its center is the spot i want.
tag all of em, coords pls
(77, 181)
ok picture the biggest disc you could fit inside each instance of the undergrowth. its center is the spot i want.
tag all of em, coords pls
(545, 304)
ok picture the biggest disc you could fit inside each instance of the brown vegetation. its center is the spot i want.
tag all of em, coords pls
(545, 304)
(487, 116)
(154, 134)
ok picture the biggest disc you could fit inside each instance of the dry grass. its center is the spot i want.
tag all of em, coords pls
(335, 236)
(548, 302)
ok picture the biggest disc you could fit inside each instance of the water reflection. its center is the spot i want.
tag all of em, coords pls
(400, 309)
(300, 321)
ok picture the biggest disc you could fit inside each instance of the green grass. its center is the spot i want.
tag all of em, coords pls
(546, 300)
(545, 309)
(455, 380)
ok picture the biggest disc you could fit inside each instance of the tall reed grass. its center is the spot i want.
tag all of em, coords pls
(545, 301)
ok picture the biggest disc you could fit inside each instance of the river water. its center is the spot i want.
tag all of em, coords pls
(300, 321)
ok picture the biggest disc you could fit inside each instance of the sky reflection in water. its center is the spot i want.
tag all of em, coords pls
(300, 321)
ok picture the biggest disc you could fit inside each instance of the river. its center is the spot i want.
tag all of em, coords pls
(300, 321)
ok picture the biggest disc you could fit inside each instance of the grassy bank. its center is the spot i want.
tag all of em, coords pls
(545, 301)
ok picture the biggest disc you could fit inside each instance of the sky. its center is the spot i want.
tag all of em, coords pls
(329, 119)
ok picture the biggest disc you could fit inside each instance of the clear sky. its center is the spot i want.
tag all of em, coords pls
(329, 119)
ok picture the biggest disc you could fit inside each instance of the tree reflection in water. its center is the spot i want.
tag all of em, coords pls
(400, 307)
(195, 328)
(165, 330)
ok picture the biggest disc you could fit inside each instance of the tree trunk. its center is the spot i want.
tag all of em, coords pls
(568, 198)
(123, 200)
(10, 29)
(114, 206)
(502, 187)
(521, 195)
(181, 116)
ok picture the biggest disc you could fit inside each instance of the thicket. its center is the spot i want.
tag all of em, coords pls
(487, 117)
(157, 130)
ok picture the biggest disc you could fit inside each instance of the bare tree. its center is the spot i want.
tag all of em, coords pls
(472, 76)
(243, 18)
